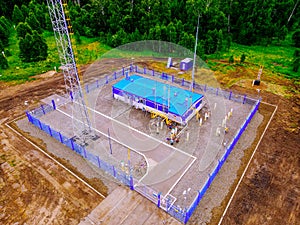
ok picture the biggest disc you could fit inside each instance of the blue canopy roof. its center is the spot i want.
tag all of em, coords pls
(180, 100)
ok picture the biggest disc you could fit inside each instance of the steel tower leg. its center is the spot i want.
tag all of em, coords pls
(62, 28)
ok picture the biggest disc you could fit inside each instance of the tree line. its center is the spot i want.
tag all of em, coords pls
(119, 22)
(29, 20)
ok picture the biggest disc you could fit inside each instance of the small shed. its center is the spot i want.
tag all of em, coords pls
(186, 64)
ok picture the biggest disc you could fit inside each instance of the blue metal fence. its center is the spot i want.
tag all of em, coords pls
(182, 215)
(94, 159)
(169, 77)
(178, 213)
(220, 163)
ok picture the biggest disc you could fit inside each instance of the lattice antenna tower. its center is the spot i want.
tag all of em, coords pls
(60, 20)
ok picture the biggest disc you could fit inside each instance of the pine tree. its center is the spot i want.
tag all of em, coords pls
(25, 48)
(135, 36)
(40, 47)
(188, 41)
(171, 32)
(17, 15)
(49, 23)
(23, 29)
(40, 16)
(213, 41)
(33, 23)
(33, 48)
(5, 24)
(119, 38)
(243, 58)
(25, 10)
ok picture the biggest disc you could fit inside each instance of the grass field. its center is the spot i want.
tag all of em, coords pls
(276, 59)
(88, 50)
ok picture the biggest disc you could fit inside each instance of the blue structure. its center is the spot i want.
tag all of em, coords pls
(165, 100)
(186, 64)
(178, 211)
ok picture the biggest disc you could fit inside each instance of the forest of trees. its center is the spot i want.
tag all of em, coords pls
(118, 22)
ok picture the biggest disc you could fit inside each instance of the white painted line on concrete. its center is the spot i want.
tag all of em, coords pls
(184, 172)
(148, 165)
(131, 128)
(245, 170)
(50, 157)
(104, 134)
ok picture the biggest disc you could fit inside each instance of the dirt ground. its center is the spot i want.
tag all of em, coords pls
(33, 191)
(270, 190)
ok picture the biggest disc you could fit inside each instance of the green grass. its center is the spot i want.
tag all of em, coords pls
(19, 72)
(275, 58)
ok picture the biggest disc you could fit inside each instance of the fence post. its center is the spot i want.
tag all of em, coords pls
(217, 91)
(209, 180)
(130, 68)
(87, 88)
(115, 75)
(245, 97)
(42, 107)
(230, 94)
(50, 131)
(40, 124)
(158, 199)
(97, 83)
(71, 95)
(186, 217)
(53, 104)
(205, 88)
(72, 143)
(84, 153)
(153, 72)
(172, 78)
(182, 82)
(61, 139)
(123, 72)
(131, 183)
(99, 162)
(198, 197)
(28, 116)
(136, 70)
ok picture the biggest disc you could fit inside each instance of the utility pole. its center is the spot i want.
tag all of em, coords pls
(195, 53)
